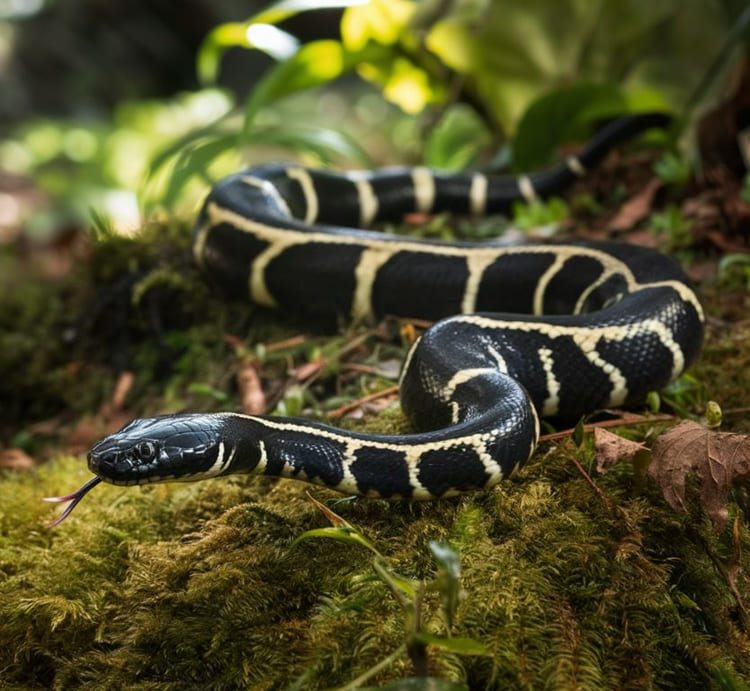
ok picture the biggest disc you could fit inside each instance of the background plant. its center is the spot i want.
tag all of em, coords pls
(450, 82)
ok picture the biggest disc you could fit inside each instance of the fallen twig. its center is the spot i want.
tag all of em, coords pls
(347, 408)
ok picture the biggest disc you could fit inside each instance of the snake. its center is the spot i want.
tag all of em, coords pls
(521, 331)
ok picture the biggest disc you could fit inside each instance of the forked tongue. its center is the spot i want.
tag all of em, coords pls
(73, 498)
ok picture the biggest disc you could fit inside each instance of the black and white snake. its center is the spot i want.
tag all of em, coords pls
(551, 330)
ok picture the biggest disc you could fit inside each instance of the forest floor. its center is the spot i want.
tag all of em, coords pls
(571, 577)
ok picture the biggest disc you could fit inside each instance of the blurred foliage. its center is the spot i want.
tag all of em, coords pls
(84, 164)
(464, 74)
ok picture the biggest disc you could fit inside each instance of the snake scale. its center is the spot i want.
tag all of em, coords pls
(523, 331)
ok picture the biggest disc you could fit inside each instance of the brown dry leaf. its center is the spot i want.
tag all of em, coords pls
(718, 458)
(252, 398)
(611, 448)
(15, 459)
(637, 207)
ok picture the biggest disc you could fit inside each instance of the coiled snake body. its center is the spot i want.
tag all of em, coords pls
(551, 330)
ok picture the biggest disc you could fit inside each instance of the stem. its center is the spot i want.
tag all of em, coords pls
(362, 678)
(416, 648)
(619, 422)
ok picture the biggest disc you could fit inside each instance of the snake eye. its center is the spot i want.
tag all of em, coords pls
(146, 450)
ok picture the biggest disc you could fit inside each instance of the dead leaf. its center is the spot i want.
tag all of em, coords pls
(15, 459)
(718, 459)
(637, 207)
(252, 397)
(611, 448)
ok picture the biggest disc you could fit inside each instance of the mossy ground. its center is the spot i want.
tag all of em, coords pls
(195, 586)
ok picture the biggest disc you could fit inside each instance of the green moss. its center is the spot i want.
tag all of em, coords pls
(164, 586)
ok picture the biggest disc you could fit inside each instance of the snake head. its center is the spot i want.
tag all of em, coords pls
(158, 449)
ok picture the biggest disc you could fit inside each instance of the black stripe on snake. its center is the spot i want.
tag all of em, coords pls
(525, 331)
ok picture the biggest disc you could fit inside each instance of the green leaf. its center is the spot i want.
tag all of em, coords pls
(341, 534)
(558, 116)
(100, 226)
(404, 589)
(540, 213)
(258, 33)
(449, 573)
(579, 433)
(653, 401)
(378, 21)
(735, 259)
(215, 45)
(194, 160)
(340, 530)
(324, 143)
(673, 168)
(279, 11)
(315, 63)
(456, 139)
(459, 645)
(209, 391)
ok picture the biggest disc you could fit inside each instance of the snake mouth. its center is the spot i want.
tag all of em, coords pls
(74, 498)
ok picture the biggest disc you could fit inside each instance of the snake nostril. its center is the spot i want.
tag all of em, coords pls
(99, 461)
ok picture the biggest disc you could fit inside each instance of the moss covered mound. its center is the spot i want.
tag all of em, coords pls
(199, 586)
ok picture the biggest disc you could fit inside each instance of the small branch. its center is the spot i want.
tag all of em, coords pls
(605, 499)
(736, 411)
(627, 421)
(291, 342)
(347, 408)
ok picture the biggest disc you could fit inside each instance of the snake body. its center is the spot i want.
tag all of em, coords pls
(525, 331)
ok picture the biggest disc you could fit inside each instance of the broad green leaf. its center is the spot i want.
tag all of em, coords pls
(514, 51)
(455, 43)
(459, 645)
(258, 32)
(315, 63)
(324, 143)
(408, 87)
(267, 38)
(456, 139)
(557, 117)
(279, 11)
(379, 21)
(402, 81)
